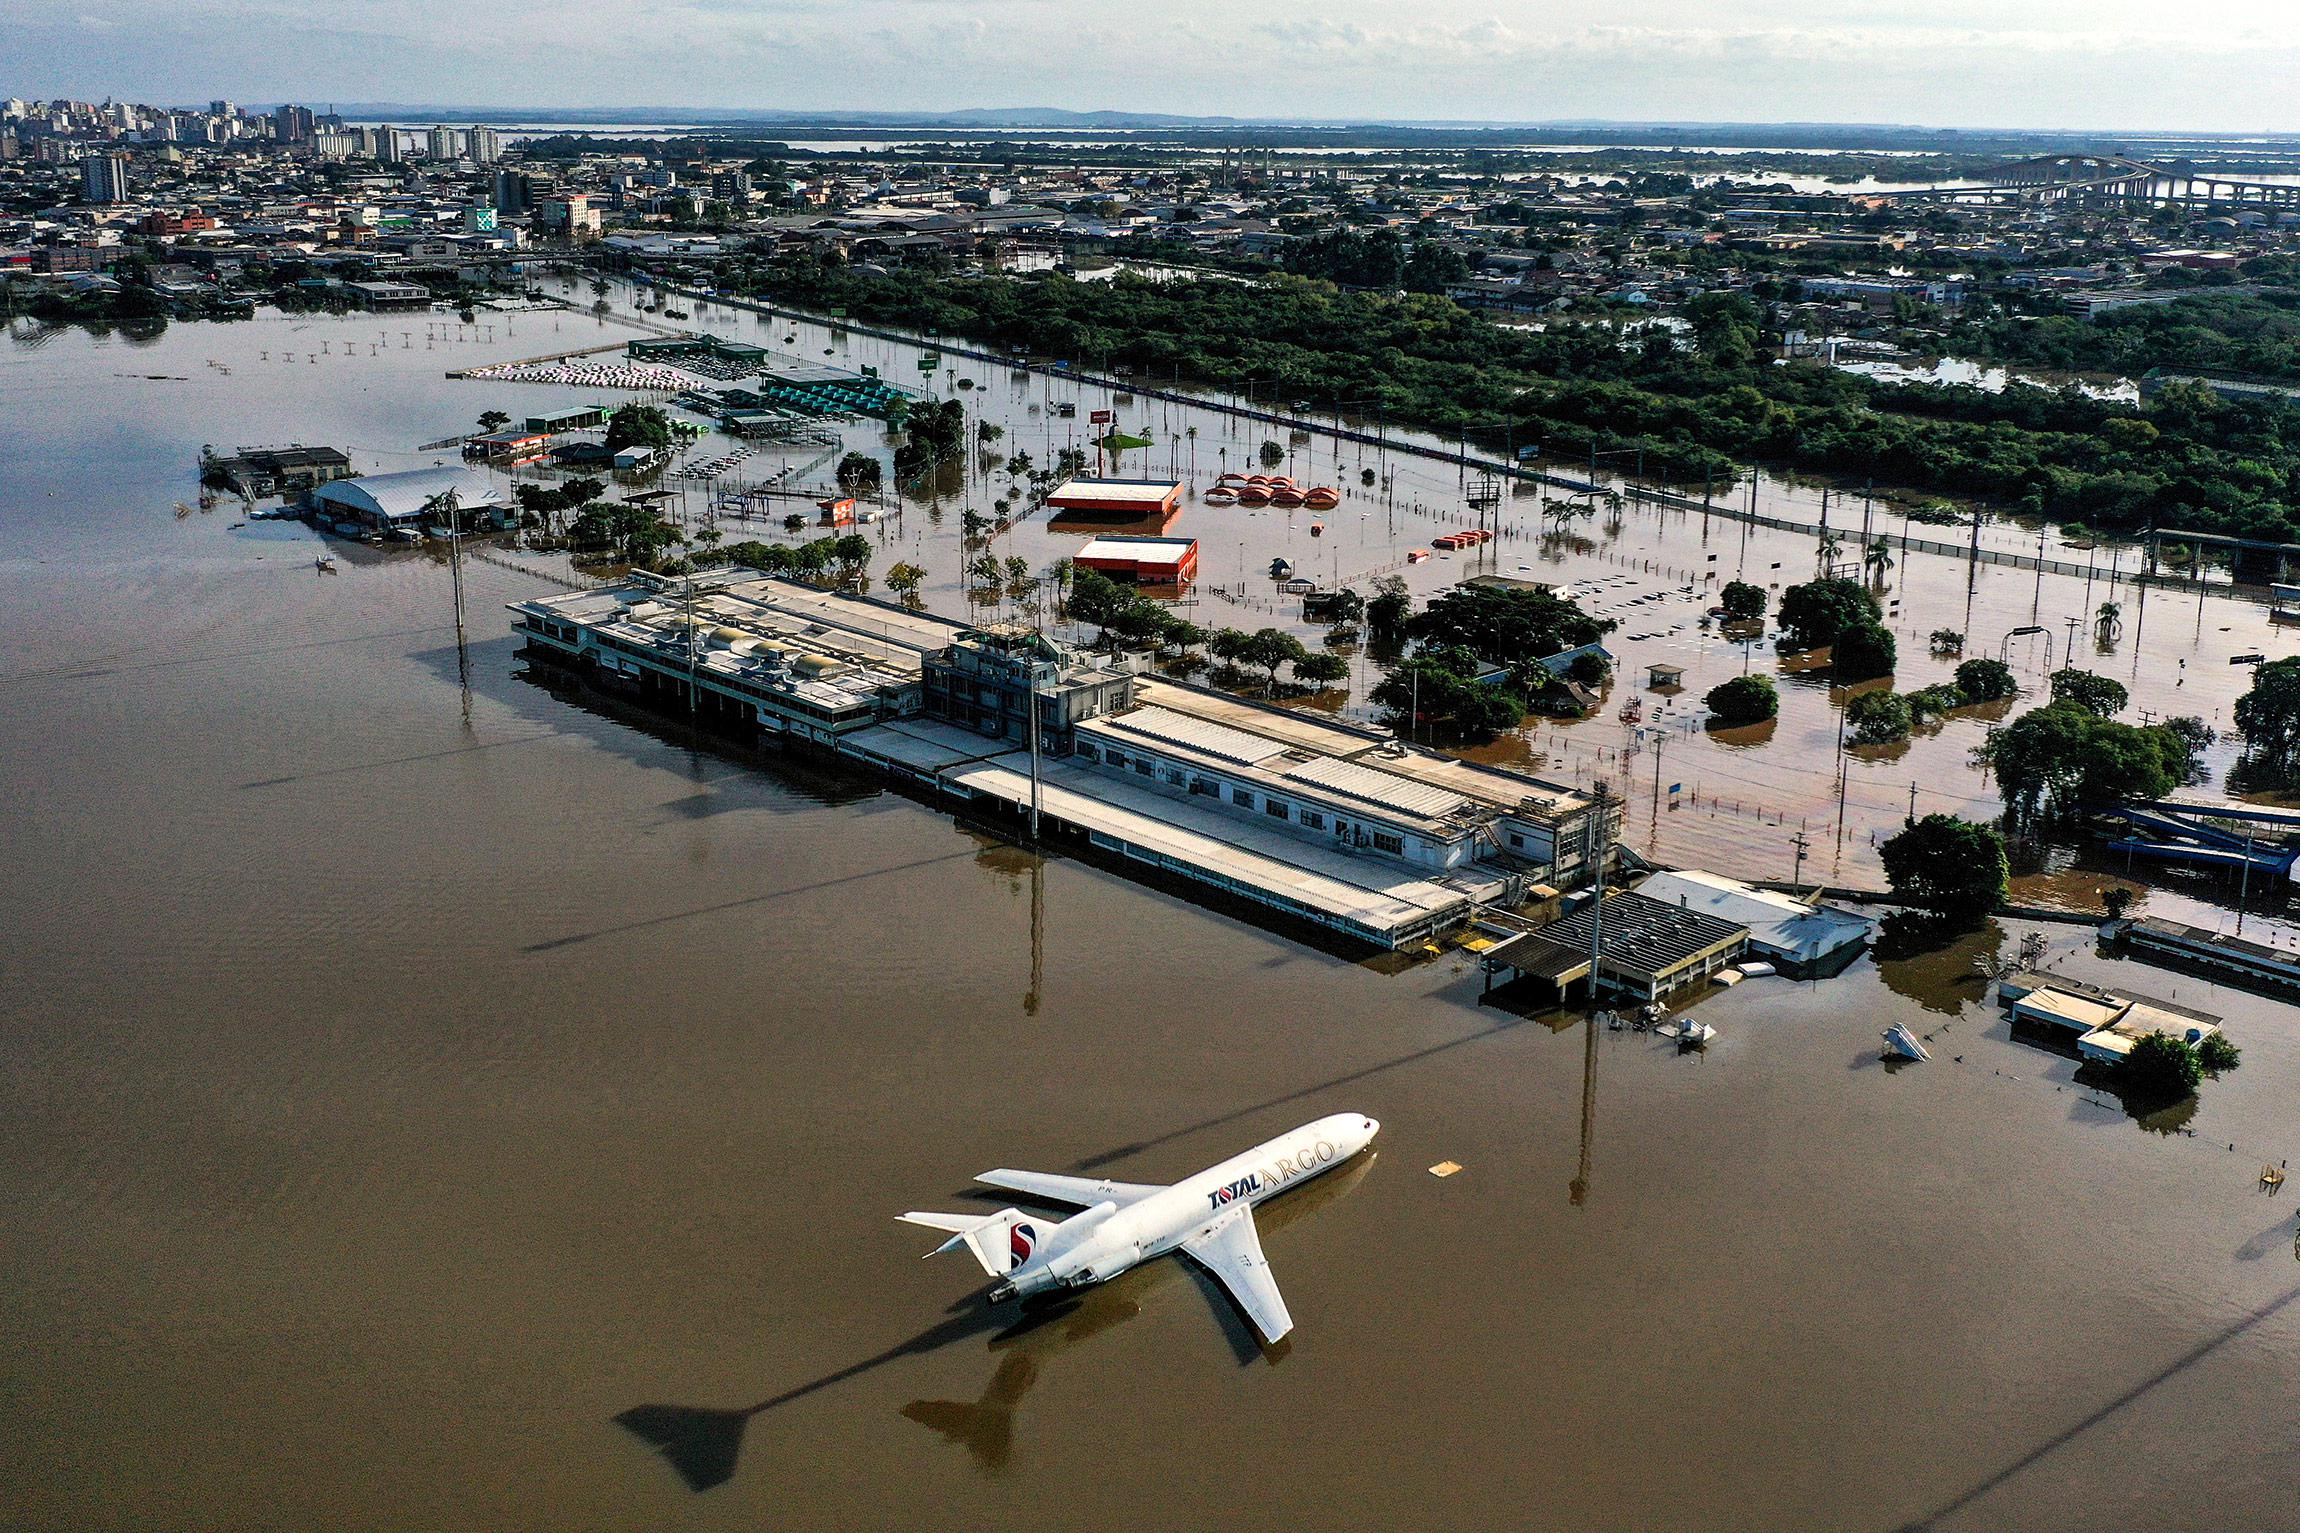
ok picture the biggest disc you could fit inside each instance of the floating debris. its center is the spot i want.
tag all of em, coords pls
(1445, 1168)
(1899, 1040)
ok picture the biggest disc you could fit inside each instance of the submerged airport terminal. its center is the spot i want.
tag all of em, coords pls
(1308, 817)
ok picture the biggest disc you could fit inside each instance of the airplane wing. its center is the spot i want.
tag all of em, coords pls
(1085, 1191)
(1231, 1250)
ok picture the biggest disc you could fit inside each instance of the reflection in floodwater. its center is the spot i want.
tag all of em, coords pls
(1578, 1190)
(985, 1426)
(703, 1443)
(2069, 1434)
(1932, 964)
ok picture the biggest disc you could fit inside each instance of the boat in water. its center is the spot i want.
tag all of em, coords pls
(1899, 1041)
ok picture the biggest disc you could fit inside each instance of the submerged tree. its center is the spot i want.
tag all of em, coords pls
(1949, 866)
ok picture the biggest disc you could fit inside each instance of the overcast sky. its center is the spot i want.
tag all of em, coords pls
(2225, 65)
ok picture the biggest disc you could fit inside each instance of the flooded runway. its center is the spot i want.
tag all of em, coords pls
(427, 1111)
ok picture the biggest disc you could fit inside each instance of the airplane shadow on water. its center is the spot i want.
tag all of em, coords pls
(702, 1444)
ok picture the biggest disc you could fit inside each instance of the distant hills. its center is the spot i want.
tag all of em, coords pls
(1169, 127)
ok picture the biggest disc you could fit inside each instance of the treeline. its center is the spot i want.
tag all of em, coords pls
(1693, 407)
(2257, 334)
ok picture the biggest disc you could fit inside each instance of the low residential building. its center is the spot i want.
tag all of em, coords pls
(1800, 937)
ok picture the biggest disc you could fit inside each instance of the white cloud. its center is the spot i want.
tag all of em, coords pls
(2013, 63)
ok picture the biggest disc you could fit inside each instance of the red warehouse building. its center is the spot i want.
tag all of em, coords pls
(1144, 561)
(1118, 500)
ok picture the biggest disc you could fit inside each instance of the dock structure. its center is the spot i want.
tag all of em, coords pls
(2179, 945)
(1316, 821)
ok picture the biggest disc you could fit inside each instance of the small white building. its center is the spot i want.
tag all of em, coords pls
(1801, 938)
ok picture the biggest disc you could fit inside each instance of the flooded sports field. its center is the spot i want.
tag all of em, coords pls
(435, 1100)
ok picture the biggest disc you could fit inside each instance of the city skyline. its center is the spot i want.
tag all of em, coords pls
(2045, 65)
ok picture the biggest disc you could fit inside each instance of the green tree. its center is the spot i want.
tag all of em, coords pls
(1984, 681)
(1863, 652)
(638, 426)
(859, 473)
(1813, 614)
(1271, 649)
(2159, 1069)
(1878, 718)
(2268, 716)
(1949, 866)
(493, 420)
(1438, 688)
(1744, 700)
(2095, 694)
(1321, 669)
(1742, 601)
(1228, 645)
(2056, 760)
(1510, 627)
(1388, 612)
(1094, 597)
(904, 579)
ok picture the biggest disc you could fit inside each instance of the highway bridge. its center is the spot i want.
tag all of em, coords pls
(2110, 180)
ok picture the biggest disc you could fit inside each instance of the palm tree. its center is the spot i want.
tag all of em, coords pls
(1829, 546)
(1878, 558)
(2108, 623)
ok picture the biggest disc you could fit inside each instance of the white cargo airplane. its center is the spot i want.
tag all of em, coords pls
(1208, 1218)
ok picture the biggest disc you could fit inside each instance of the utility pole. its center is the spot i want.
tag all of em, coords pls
(694, 704)
(1797, 877)
(1037, 787)
(1599, 799)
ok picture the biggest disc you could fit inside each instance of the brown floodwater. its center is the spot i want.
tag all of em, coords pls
(441, 1106)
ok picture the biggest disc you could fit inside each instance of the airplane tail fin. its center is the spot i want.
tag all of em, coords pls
(1001, 1242)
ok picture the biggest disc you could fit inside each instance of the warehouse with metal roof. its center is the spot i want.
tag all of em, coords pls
(383, 501)
(1647, 948)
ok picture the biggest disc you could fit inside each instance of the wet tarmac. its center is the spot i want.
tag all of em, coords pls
(443, 1107)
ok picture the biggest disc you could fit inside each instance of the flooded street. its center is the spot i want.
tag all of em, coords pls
(437, 1106)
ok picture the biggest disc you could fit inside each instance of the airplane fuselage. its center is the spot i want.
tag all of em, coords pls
(1106, 1239)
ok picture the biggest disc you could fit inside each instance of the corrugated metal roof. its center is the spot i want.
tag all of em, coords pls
(1220, 740)
(1372, 785)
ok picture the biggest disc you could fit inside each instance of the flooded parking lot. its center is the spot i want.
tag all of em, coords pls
(424, 1106)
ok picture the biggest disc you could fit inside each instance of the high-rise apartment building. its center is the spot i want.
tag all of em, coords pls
(104, 177)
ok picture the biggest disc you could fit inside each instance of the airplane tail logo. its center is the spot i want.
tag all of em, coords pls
(1019, 1243)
